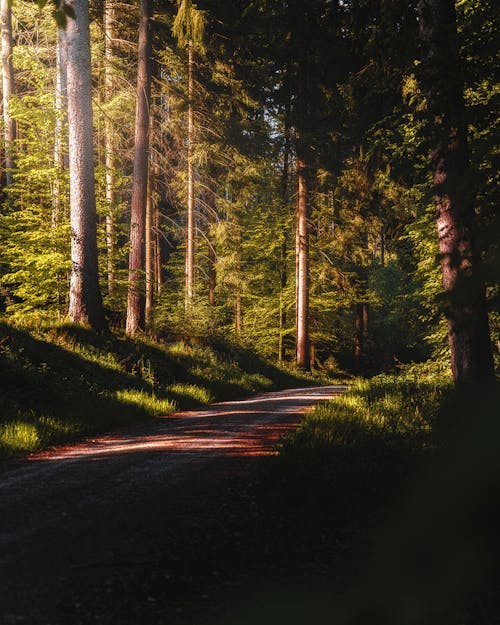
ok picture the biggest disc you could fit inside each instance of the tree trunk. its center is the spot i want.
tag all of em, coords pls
(302, 122)
(8, 87)
(61, 110)
(157, 248)
(109, 18)
(302, 254)
(212, 271)
(85, 303)
(382, 246)
(463, 282)
(283, 278)
(362, 315)
(190, 187)
(238, 314)
(149, 251)
(140, 174)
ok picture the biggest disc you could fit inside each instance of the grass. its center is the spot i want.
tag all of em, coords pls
(405, 473)
(62, 382)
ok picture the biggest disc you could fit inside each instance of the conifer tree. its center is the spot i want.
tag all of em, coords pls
(109, 35)
(85, 303)
(7, 87)
(463, 282)
(188, 28)
(140, 174)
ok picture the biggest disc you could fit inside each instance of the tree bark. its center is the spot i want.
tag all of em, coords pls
(7, 87)
(85, 303)
(61, 110)
(362, 315)
(463, 282)
(148, 309)
(140, 174)
(303, 347)
(190, 234)
(157, 245)
(302, 253)
(212, 260)
(283, 277)
(109, 18)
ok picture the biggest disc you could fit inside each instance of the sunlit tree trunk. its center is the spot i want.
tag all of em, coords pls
(283, 250)
(140, 174)
(7, 87)
(212, 272)
(149, 257)
(109, 18)
(158, 277)
(302, 254)
(188, 28)
(211, 253)
(303, 347)
(85, 304)
(238, 312)
(61, 93)
(190, 235)
(463, 282)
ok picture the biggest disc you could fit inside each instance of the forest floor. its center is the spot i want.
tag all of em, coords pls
(162, 523)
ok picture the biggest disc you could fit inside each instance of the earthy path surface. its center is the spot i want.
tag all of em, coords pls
(122, 528)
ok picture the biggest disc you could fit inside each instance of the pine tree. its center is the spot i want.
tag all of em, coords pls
(464, 290)
(7, 88)
(188, 27)
(140, 175)
(85, 303)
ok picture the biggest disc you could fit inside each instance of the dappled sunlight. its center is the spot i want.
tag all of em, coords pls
(235, 428)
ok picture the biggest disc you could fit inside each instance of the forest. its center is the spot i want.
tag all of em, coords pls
(256, 169)
(203, 201)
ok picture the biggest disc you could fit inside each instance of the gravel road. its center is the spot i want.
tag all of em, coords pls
(80, 524)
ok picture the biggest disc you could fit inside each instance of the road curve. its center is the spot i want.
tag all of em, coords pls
(54, 502)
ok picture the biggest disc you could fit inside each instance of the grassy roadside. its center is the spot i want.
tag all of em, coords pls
(62, 382)
(401, 474)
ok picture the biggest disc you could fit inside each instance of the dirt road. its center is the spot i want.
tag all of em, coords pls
(105, 530)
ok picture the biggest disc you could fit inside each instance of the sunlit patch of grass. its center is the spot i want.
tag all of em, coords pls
(150, 404)
(18, 436)
(191, 392)
(255, 382)
(386, 414)
(62, 381)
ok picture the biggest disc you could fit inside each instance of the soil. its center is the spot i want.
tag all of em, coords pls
(160, 523)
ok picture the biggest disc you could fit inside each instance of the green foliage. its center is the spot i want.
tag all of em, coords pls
(372, 236)
(189, 25)
(387, 412)
(34, 224)
(61, 10)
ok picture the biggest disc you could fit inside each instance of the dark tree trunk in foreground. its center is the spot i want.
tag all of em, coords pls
(85, 303)
(140, 175)
(7, 87)
(464, 289)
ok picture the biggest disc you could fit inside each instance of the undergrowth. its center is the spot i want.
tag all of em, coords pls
(405, 472)
(61, 382)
